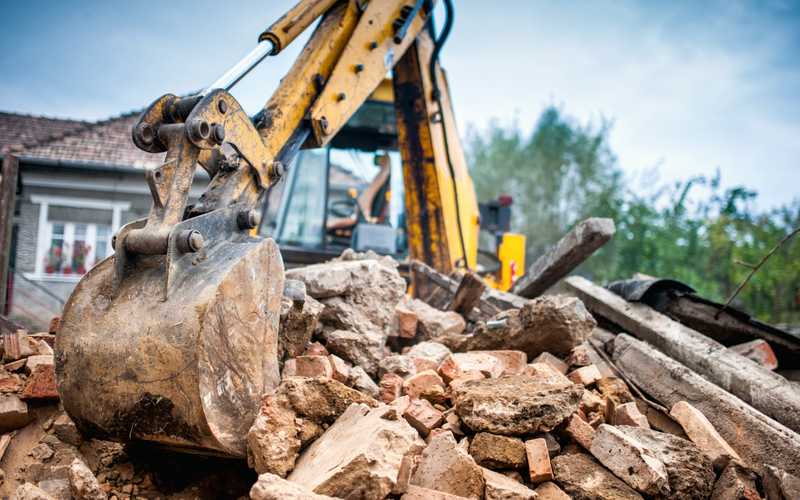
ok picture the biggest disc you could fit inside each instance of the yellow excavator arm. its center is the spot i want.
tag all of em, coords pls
(173, 338)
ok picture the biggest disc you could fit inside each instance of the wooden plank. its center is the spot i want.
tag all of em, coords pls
(439, 290)
(8, 192)
(570, 251)
(468, 294)
(766, 391)
(757, 438)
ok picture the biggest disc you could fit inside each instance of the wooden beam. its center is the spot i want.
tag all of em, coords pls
(560, 259)
(757, 438)
(8, 192)
(766, 391)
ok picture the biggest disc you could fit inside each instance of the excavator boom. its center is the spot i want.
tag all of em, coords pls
(173, 339)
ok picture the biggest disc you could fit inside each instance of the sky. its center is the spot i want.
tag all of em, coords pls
(691, 87)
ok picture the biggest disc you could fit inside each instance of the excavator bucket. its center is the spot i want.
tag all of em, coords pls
(178, 349)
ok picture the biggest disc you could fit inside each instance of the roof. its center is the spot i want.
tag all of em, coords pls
(107, 142)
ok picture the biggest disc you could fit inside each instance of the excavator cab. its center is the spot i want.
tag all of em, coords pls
(346, 195)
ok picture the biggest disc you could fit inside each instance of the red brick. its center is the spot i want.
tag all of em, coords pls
(315, 349)
(313, 366)
(41, 384)
(759, 351)
(538, 460)
(466, 377)
(580, 431)
(423, 416)
(423, 364)
(546, 374)
(487, 364)
(391, 386)
(339, 368)
(421, 383)
(406, 322)
(629, 414)
(512, 362)
(554, 362)
(586, 375)
(449, 369)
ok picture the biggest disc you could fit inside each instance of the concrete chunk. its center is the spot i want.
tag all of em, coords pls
(514, 405)
(502, 487)
(13, 413)
(736, 482)
(550, 491)
(779, 484)
(554, 362)
(29, 491)
(272, 487)
(82, 482)
(629, 414)
(420, 493)
(630, 461)
(445, 467)
(433, 323)
(583, 477)
(554, 324)
(497, 452)
(358, 456)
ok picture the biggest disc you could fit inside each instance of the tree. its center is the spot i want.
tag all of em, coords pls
(564, 172)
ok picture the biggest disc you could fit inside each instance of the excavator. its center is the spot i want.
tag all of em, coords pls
(172, 339)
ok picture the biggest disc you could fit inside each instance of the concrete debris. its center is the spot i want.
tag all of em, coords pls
(82, 483)
(433, 323)
(30, 491)
(502, 487)
(554, 362)
(779, 484)
(445, 467)
(550, 491)
(299, 319)
(497, 452)
(628, 458)
(430, 350)
(514, 405)
(473, 394)
(629, 414)
(736, 482)
(690, 472)
(553, 324)
(272, 487)
(359, 455)
(361, 381)
(295, 410)
(583, 477)
(420, 493)
(13, 413)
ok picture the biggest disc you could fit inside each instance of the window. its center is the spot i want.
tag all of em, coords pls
(75, 247)
(74, 235)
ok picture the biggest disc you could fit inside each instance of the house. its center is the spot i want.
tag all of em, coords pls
(78, 182)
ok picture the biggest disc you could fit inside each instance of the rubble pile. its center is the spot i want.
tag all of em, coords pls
(386, 396)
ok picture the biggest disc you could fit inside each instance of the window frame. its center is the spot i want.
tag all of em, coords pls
(44, 232)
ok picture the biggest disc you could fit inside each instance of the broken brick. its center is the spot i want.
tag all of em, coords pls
(423, 416)
(339, 369)
(449, 369)
(702, 433)
(538, 457)
(758, 351)
(630, 460)
(554, 362)
(41, 384)
(313, 366)
(579, 431)
(405, 321)
(315, 349)
(391, 387)
(629, 414)
(422, 383)
(585, 375)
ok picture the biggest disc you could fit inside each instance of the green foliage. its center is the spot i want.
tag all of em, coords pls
(692, 230)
